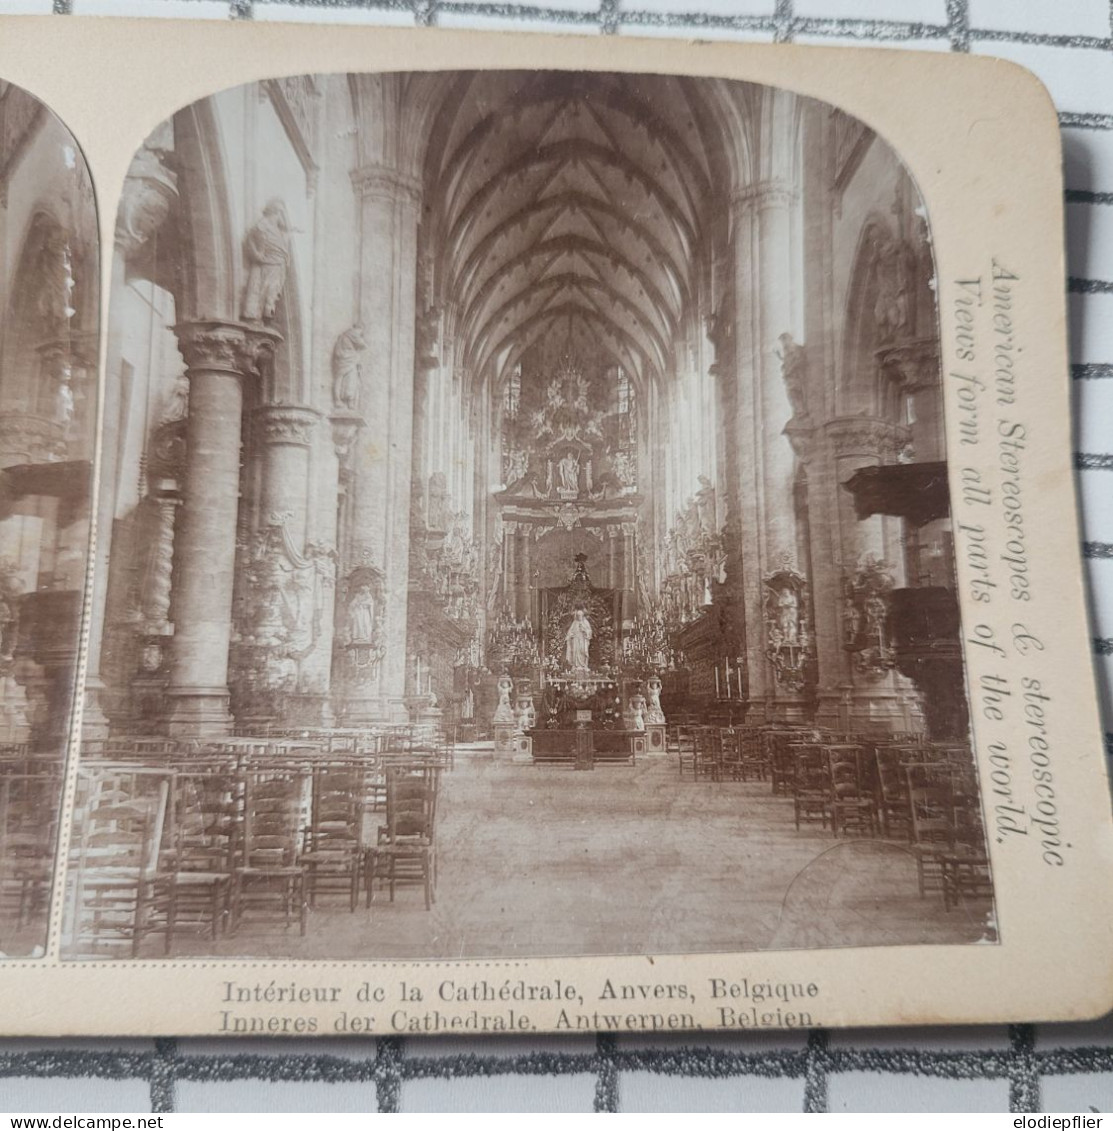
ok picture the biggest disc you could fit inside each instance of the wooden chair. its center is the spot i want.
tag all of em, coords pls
(195, 880)
(708, 744)
(685, 750)
(332, 854)
(753, 755)
(114, 861)
(406, 848)
(811, 789)
(268, 873)
(28, 826)
(852, 807)
(931, 807)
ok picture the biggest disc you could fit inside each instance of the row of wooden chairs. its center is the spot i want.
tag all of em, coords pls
(30, 797)
(207, 846)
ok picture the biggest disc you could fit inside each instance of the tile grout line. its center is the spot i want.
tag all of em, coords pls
(1024, 1076)
(958, 24)
(783, 21)
(606, 1083)
(162, 1080)
(388, 1074)
(816, 1066)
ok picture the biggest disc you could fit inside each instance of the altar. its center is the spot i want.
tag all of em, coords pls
(583, 747)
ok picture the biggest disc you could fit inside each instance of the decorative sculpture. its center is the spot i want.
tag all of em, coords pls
(346, 373)
(504, 713)
(577, 642)
(794, 370)
(866, 598)
(788, 639)
(267, 253)
(653, 714)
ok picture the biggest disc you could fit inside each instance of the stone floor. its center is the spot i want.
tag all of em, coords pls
(620, 860)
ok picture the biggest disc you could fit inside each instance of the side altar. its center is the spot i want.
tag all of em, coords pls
(584, 702)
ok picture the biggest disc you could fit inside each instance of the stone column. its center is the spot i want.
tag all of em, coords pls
(383, 463)
(150, 190)
(763, 283)
(286, 432)
(219, 356)
(510, 573)
(854, 698)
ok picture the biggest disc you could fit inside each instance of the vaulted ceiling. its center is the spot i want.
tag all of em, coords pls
(571, 204)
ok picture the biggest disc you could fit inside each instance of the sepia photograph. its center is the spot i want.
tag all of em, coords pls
(48, 400)
(524, 530)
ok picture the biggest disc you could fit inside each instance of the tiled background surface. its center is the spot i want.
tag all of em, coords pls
(1069, 44)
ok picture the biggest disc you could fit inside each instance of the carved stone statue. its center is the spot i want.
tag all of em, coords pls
(504, 713)
(267, 255)
(788, 615)
(794, 370)
(177, 404)
(361, 616)
(893, 307)
(346, 372)
(653, 713)
(637, 712)
(577, 642)
(569, 469)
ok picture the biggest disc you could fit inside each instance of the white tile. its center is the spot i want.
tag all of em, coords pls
(1093, 414)
(274, 1096)
(901, 44)
(1090, 241)
(1100, 575)
(1091, 327)
(1063, 17)
(1088, 159)
(1081, 1091)
(164, 9)
(577, 24)
(501, 1093)
(354, 1048)
(1079, 79)
(1095, 490)
(942, 1039)
(24, 1093)
(747, 1041)
(694, 32)
(653, 1091)
(886, 1091)
(702, 7)
(1103, 668)
(502, 1047)
(907, 11)
(341, 14)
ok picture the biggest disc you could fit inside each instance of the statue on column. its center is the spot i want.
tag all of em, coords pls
(504, 713)
(577, 642)
(794, 370)
(346, 372)
(267, 252)
(361, 616)
(653, 713)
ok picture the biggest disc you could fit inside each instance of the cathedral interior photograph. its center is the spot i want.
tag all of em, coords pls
(48, 400)
(524, 529)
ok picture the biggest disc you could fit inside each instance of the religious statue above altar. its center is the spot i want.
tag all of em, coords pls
(577, 642)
